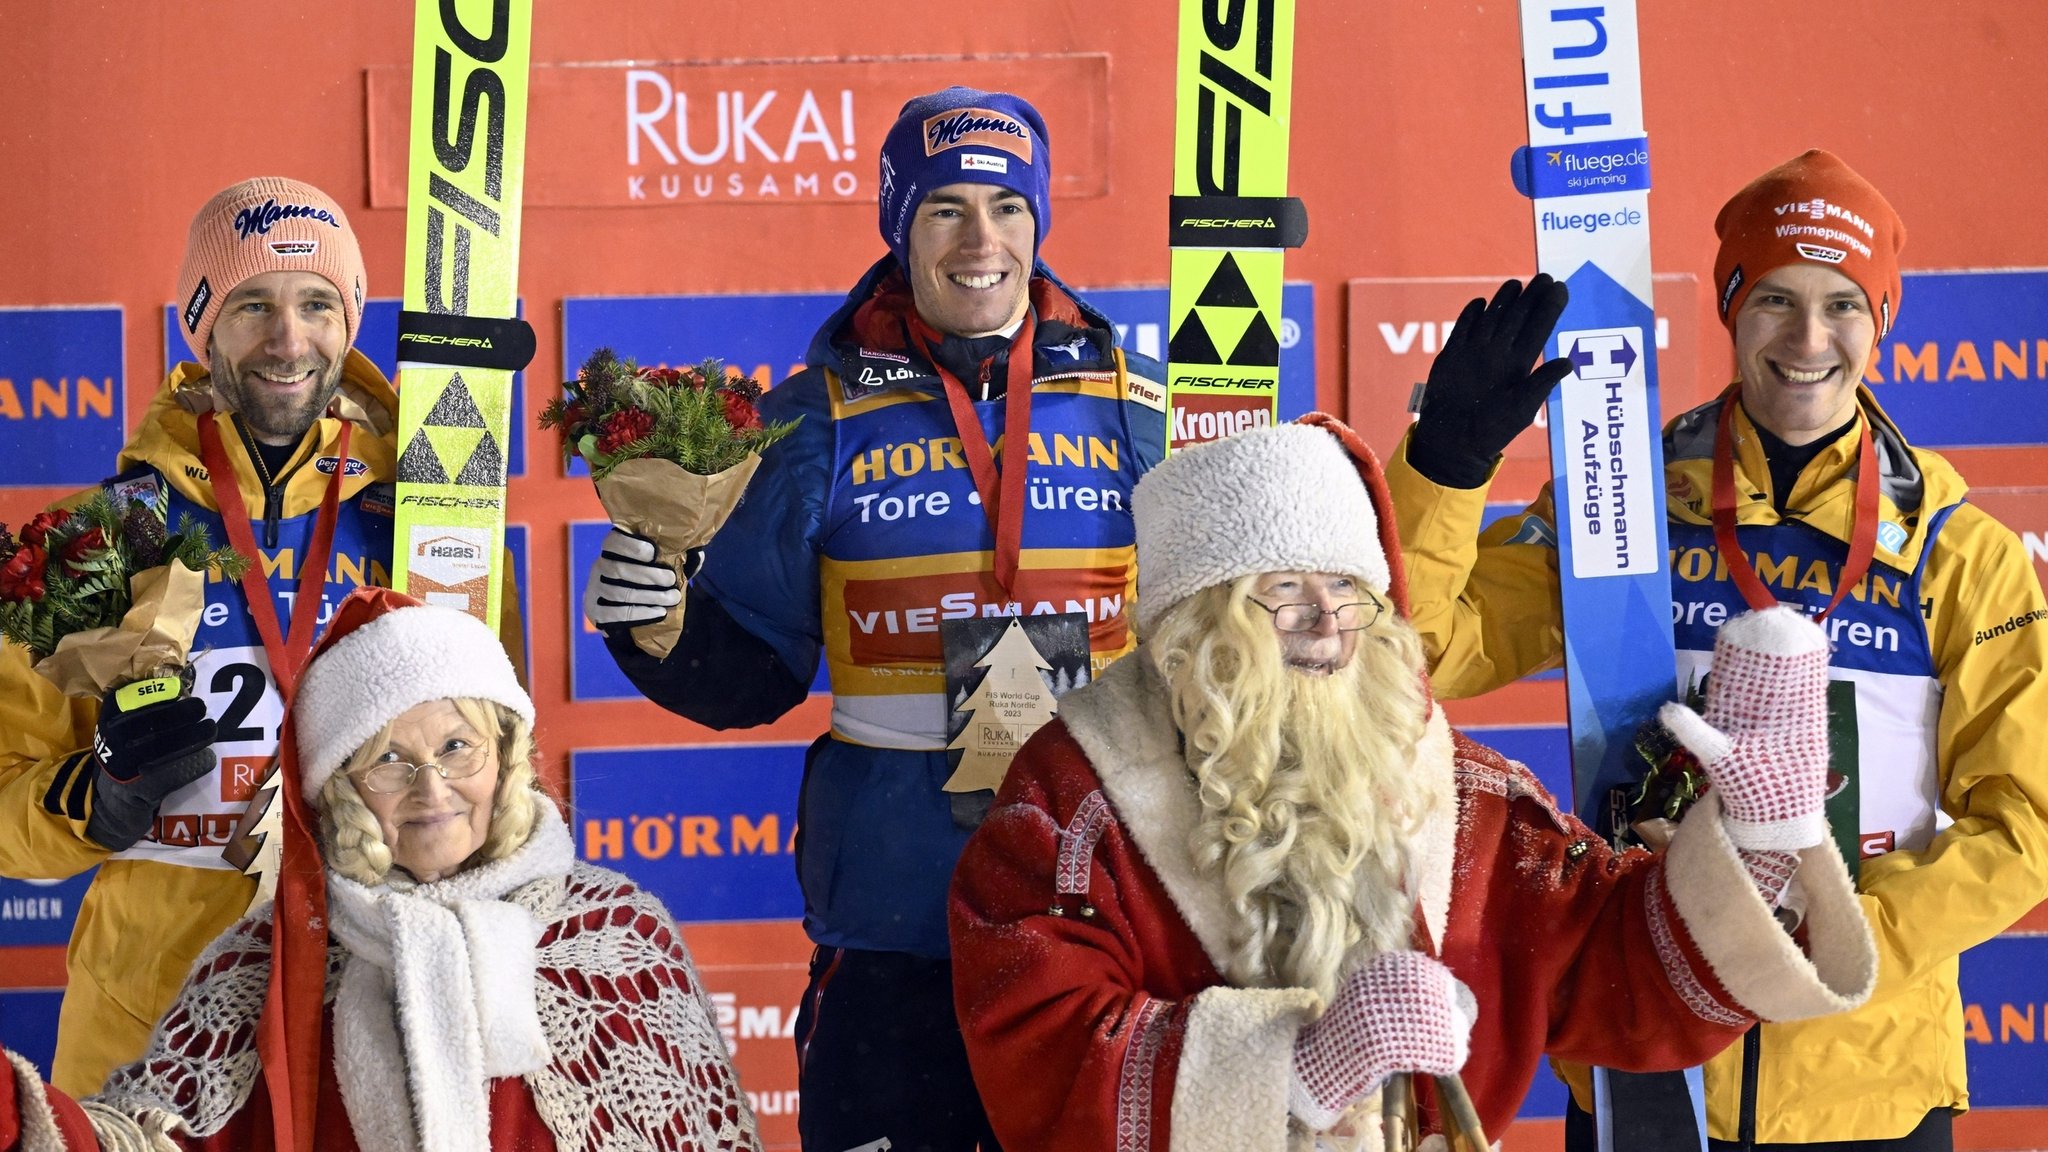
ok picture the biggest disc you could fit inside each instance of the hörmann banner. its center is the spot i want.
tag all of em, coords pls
(1968, 361)
(62, 404)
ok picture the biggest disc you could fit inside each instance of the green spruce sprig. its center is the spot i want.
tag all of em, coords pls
(701, 418)
(78, 577)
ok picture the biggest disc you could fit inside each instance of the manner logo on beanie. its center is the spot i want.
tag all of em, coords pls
(963, 136)
(267, 224)
(1816, 209)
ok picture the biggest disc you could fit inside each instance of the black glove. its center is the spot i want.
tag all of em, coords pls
(142, 755)
(1481, 393)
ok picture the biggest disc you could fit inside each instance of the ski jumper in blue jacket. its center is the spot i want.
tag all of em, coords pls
(859, 535)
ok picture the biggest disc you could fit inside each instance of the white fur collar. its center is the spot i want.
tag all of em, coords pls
(1124, 723)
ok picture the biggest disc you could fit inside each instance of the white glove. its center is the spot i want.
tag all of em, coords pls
(1402, 1012)
(627, 588)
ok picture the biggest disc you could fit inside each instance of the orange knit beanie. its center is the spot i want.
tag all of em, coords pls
(268, 224)
(1816, 209)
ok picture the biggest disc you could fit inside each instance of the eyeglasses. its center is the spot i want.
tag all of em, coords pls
(1356, 616)
(397, 776)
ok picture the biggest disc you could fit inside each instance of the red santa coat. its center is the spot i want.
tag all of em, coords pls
(1087, 950)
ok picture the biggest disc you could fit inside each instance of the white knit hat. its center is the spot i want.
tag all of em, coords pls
(382, 654)
(1288, 498)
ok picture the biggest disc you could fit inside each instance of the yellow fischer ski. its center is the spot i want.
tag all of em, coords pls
(459, 341)
(1231, 216)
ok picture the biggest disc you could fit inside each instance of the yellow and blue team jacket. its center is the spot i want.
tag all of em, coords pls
(859, 538)
(1945, 642)
(152, 908)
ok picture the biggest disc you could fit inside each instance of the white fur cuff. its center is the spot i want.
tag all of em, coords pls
(1236, 1067)
(1754, 958)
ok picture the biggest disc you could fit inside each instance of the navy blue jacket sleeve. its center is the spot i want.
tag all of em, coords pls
(751, 631)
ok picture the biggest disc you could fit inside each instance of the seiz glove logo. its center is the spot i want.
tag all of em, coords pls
(146, 692)
(105, 755)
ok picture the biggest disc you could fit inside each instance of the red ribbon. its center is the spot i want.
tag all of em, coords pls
(1862, 532)
(1001, 489)
(287, 653)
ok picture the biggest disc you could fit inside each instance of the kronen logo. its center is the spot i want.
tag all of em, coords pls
(771, 144)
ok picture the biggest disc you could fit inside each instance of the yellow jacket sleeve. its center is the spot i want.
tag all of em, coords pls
(512, 626)
(1485, 603)
(1989, 629)
(45, 774)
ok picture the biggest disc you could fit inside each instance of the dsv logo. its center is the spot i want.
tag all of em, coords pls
(483, 107)
(1224, 92)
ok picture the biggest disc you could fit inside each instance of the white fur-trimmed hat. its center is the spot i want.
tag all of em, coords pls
(1294, 497)
(383, 653)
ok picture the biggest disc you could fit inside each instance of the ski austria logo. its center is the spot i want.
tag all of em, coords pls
(294, 247)
(983, 127)
(265, 216)
(1822, 253)
(975, 162)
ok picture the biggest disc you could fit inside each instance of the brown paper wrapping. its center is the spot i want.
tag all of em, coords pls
(154, 636)
(677, 510)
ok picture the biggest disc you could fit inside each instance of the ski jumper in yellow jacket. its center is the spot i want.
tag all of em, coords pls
(1945, 641)
(152, 908)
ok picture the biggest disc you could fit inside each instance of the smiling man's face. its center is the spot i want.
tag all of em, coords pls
(1802, 338)
(277, 352)
(970, 250)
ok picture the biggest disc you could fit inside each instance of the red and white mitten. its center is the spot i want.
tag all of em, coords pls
(1401, 1012)
(1764, 738)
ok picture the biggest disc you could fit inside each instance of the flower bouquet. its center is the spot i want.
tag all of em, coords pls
(671, 450)
(102, 597)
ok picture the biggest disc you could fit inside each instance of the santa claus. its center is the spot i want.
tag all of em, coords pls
(1249, 874)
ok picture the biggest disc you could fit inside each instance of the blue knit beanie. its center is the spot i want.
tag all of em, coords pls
(963, 136)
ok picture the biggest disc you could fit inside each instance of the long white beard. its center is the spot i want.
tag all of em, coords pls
(1308, 801)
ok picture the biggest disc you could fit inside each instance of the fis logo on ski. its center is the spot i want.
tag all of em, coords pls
(982, 127)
